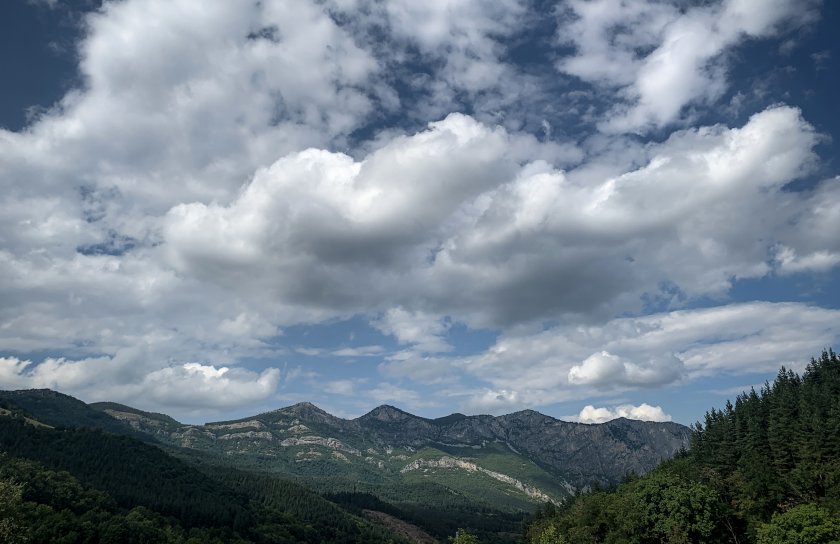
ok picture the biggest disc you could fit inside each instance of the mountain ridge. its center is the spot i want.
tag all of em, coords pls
(389, 408)
(302, 440)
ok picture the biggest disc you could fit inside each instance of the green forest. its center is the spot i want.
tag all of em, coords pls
(765, 470)
(69, 485)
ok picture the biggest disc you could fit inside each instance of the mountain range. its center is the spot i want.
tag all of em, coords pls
(509, 462)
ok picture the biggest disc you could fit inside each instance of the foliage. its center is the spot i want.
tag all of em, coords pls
(82, 486)
(12, 527)
(804, 524)
(549, 535)
(133, 473)
(666, 507)
(766, 469)
(283, 507)
(463, 537)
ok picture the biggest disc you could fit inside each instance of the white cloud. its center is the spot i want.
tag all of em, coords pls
(422, 331)
(813, 245)
(448, 222)
(643, 412)
(466, 35)
(455, 55)
(197, 386)
(11, 369)
(577, 361)
(495, 401)
(360, 351)
(388, 393)
(598, 368)
(660, 58)
(420, 367)
(447, 219)
(130, 377)
(247, 325)
(184, 101)
(340, 387)
(789, 262)
(606, 369)
(205, 189)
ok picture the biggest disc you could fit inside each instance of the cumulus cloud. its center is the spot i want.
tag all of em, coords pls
(813, 246)
(185, 388)
(659, 58)
(606, 369)
(226, 172)
(447, 222)
(451, 221)
(643, 412)
(423, 332)
(196, 386)
(184, 101)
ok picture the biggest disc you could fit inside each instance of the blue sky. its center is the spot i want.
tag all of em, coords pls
(588, 208)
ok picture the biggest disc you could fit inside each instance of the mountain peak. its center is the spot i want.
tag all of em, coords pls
(41, 394)
(531, 416)
(305, 409)
(388, 413)
(305, 405)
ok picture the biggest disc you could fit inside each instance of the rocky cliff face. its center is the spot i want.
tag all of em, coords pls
(583, 454)
(579, 453)
(449, 462)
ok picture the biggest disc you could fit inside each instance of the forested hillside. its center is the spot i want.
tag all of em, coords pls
(86, 486)
(764, 470)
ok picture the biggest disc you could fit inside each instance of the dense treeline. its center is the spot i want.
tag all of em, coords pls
(440, 520)
(84, 486)
(764, 470)
(39, 505)
(132, 472)
(289, 510)
(435, 508)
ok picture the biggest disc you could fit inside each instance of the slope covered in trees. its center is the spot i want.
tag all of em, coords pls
(82, 485)
(764, 470)
(59, 410)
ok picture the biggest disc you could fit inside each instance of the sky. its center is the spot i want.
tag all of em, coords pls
(590, 208)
